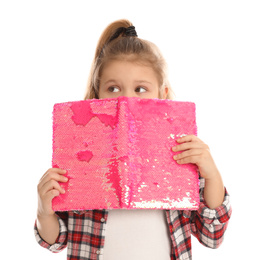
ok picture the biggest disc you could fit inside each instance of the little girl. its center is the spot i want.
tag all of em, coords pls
(125, 65)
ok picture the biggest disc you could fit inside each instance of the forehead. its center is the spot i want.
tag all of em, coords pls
(124, 68)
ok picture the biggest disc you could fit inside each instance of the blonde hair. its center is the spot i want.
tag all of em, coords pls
(128, 48)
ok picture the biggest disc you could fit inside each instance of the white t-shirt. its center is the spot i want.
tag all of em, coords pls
(137, 234)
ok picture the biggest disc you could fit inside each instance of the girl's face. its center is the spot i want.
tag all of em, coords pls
(129, 79)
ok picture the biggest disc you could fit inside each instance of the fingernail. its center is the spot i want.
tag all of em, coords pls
(174, 148)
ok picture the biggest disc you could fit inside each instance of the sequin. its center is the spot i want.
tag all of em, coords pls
(117, 153)
(84, 156)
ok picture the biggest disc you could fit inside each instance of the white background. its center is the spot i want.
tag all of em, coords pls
(215, 57)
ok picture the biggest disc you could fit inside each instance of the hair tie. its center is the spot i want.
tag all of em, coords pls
(130, 31)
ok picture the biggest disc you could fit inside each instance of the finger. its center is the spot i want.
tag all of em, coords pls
(56, 176)
(51, 195)
(188, 153)
(56, 170)
(51, 185)
(190, 159)
(53, 174)
(189, 145)
(187, 138)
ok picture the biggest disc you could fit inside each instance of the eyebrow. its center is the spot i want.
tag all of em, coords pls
(137, 81)
(108, 81)
(143, 81)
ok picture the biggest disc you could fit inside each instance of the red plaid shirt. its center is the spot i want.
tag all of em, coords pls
(83, 232)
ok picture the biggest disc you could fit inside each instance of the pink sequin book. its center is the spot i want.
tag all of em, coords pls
(118, 154)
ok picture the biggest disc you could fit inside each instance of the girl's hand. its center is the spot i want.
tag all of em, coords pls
(48, 188)
(193, 150)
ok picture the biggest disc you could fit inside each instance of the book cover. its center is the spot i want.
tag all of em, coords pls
(117, 154)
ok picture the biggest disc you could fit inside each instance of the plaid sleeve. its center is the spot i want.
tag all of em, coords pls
(209, 225)
(61, 241)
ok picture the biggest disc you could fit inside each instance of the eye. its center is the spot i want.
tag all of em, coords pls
(113, 89)
(142, 89)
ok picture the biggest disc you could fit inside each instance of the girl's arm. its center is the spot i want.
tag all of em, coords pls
(197, 152)
(47, 222)
(48, 228)
(214, 191)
